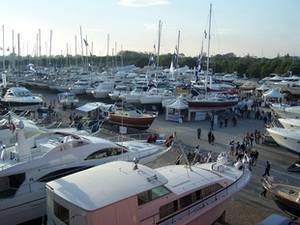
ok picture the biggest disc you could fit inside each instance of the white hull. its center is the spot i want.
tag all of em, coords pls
(284, 138)
(30, 201)
(98, 94)
(132, 98)
(294, 90)
(150, 99)
(290, 123)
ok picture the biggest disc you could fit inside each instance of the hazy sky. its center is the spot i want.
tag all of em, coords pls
(258, 27)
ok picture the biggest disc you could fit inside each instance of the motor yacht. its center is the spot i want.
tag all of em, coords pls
(103, 89)
(127, 193)
(26, 167)
(21, 98)
(288, 138)
(290, 123)
(67, 99)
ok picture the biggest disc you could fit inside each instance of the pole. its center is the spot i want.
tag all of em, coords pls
(81, 43)
(208, 47)
(13, 49)
(40, 41)
(158, 44)
(50, 47)
(76, 50)
(18, 36)
(107, 50)
(178, 42)
(3, 48)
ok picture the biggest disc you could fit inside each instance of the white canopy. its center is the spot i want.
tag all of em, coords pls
(179, 103)
(88, 107)
(273, 93)
(263, 88)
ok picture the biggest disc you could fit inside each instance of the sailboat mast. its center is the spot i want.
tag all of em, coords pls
(178, 42)
(50, 47)
(3, 48)
(208, 45)
(81, 43)
(158, 44)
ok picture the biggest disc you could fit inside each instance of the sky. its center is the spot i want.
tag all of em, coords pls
(256, 27)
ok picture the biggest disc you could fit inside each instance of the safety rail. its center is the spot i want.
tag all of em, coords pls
(219, 195)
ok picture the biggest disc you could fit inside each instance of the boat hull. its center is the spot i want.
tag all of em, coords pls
(211, 105)
(292, 144)
(141, 123)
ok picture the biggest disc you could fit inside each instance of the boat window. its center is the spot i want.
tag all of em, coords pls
(61, 173)
(168, 209)
(185, 201)
(106, 153)
(61, 213)
(152, 194)
(10, 184)
(210, 189)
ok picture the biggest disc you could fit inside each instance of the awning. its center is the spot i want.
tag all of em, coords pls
(88, 107)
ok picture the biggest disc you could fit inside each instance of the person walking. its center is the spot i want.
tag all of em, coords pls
(267, 169)
(199, 133)
(209, 136)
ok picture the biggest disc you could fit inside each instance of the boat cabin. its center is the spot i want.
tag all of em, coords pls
(128, 193)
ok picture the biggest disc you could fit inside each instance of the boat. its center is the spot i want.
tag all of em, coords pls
(288, 138)
(118, 92)
(128, 193)
(212, 102)
(103, 89)
(21, 98)
(80, 87)
(132, 118)
(290, 123)
(8, 124)
(155, 96)
(286, 111)
(67, 99)
(26, 167)
(287, 198)
(133, 96)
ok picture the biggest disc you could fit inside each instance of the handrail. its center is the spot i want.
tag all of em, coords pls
(206, 201)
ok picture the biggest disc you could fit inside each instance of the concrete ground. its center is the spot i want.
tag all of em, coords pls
(247, 207)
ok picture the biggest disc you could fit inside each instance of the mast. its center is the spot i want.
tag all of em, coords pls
(107, 50)
(178, 42)
(158, 44)
(50, 46)
(208, 47)
(81, 43)
(13, 49)
(19, 52)
(3, 48)
(76, 50)
(40, 43)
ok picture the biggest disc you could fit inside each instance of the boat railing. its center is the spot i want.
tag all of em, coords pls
(219, 195)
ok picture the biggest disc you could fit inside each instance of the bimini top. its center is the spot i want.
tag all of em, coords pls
(103, 185)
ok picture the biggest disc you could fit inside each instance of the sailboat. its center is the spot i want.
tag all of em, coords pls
(210, 101)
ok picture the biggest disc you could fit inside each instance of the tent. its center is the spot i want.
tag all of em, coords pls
(273, 95)
(263, 88)
(175, 109)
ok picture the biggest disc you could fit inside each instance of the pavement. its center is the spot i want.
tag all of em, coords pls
(247, 207)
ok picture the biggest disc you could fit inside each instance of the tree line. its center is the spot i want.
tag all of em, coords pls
(226, 63)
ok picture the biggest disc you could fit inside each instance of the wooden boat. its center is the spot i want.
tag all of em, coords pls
(287, 197)
(132, 118)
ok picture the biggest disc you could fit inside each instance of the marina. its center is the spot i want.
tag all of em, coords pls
(99, 128)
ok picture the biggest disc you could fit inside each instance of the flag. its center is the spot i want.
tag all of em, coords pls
(174, 58)
(7, 49)
(151, 60)
(198, 65)
(205, 34)
(85, 42)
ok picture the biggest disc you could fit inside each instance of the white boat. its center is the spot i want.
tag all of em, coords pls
(67, 99)
(8, 124)
(286, 111)
(26, 167)
(288, 138)
(103, 89)
(128, 193)
(133, 96)
(155, 96)
(118, 92)
(80, 87)
(290, 123)
(21, 98)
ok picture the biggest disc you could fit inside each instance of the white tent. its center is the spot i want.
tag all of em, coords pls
(273, 94)
(263, 87)
(175, 108)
